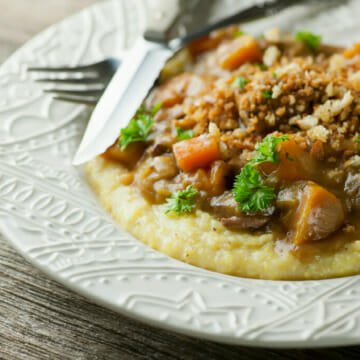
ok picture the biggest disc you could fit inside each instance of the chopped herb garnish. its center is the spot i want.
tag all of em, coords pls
(267, 150)
(249, 190)
(139, 127)
(267, 94)
(137, 130)
(183, 134)
(308, 38)
(358, 140)
(274, 74)
(238, 33)
(182, 201)
(156, 108)
(261, 66)
(239, 82)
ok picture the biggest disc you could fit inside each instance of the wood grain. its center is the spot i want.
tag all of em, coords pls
(40, 319)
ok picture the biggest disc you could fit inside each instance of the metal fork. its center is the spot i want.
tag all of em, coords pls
(94, 76)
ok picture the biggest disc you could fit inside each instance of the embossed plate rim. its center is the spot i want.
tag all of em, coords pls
(195, 301)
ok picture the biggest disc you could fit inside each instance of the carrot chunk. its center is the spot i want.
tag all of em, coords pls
(295, 163)
(196, 152)
(212, 40)
(203, 44)
(353, 51)
(319, 214)
(238, 51)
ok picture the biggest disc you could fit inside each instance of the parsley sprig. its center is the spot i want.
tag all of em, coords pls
(358, 140)
(267, 150)
(267, 94)
(261, 66)
(239, 82)
(308, 38)
(182, 201)
(238, 33)
(183, 134)
(139, 127)
(249, 190)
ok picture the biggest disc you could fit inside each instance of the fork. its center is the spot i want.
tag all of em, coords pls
(98, 75)
(95, 76)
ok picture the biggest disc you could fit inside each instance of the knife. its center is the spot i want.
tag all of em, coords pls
(123, 96)
(137, 73)
(140, 68)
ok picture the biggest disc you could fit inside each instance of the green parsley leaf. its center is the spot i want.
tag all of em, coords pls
(182, 201)
(183, 134)
(137, 130)
(238, 33)
(267, 150)
(308, 38)
(139, 127)
(261, 66)
(249, 190)
(239, 82)
(156, 108)
(358, 140)
(274, 74)
(267, 94)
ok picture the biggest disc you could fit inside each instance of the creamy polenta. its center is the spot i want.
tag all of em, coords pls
(201, 240)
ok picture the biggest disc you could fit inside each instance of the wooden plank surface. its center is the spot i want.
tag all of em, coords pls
(40, 319)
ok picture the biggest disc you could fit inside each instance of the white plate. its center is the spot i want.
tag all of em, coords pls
(52, 217)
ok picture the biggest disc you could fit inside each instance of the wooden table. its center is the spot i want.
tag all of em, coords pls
(40, 319)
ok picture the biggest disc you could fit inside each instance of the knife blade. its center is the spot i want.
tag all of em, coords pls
(131, 83)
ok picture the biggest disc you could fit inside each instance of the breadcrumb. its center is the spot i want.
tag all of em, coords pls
(319, 133)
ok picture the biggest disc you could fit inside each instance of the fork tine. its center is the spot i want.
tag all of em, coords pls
(77, 100)
(98, 75)
(96, 93)
(92, 67)
(54, 69)
(73, 81)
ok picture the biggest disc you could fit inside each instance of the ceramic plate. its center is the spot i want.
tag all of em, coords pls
(49, 213)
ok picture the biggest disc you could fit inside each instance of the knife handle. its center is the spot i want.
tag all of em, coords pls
(163, 16)
(255, 11)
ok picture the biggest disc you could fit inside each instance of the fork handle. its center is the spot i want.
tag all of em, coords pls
(163, 17)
